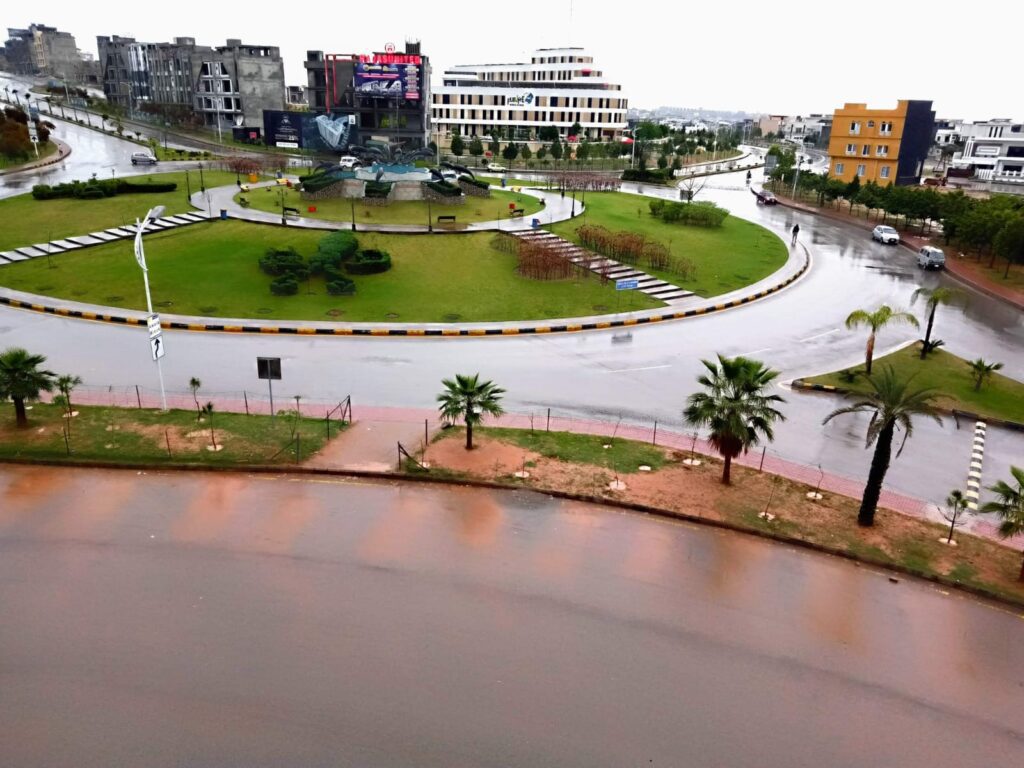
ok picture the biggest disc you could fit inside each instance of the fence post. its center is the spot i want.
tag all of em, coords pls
(654, 440)
(426, 434)
(167, 439)
(327, 423)
(763, 452)
(138, 397)
(296, 447)
(246, 398)
(548, 428)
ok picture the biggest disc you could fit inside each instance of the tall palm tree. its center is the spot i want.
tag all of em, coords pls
(980, 371)
(21, 379)
(1009, 506)
(734, 407)
(892, 404)
(468, 398)
(876, 321)
(933, 297)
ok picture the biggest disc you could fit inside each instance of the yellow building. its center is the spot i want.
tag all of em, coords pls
(886, 146)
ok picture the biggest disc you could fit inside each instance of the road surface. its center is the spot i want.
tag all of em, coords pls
(213, 619)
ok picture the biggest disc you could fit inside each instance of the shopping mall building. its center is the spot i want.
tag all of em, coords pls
(558, 87)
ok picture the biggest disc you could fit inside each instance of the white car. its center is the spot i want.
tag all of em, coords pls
(885, 235)
(348, 162)
(496, 168)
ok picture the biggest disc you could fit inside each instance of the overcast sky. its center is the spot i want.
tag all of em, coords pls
(795, 58)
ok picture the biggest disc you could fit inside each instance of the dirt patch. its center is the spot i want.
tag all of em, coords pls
(489, 458)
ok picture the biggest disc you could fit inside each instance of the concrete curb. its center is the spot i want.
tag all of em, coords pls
(50, 306)
(629, 506)
(800, 384)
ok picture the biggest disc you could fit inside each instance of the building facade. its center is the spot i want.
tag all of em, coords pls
(559, 87)
(386, 93)
(886, 146)
(230, 85)
(993, 153)
(43, 50)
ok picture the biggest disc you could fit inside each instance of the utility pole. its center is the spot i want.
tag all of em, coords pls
(140, 257)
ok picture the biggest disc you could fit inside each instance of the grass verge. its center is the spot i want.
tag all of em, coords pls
(1000, 397)
(123, 434)
(441, 278)
(622, 456)
(726, 258)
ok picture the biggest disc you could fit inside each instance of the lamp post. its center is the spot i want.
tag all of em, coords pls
(140, 257)
(188, 187)
(202, 181)
(352, 202)
(796, 176)
(430, 215)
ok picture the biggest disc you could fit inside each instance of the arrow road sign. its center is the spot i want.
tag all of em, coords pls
(627, 285)
(156, 346)
(153, 321)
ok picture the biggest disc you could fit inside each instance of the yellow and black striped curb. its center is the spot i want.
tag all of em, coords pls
(371, 330)
(810, 387)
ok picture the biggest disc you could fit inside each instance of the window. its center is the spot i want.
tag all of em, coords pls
(866, 150)
(884, 172)
(885, 128)
(851, 149)
(860, 170)
(882, 150)
(839, 169)
(854, 128)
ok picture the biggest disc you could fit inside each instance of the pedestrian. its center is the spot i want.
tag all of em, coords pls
(796, 232)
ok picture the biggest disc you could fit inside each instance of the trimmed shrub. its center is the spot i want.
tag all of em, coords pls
(657, 207)
(474, 182)
(444, 188)
(703, 214)
(337, 247)
(378, 189)
(284, 286)
(86, 190)
(342, 286)
(369, 262)
(646, 175)
(285, 262)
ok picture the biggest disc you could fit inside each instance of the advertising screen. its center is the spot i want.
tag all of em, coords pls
(304, 130)
(388, 80)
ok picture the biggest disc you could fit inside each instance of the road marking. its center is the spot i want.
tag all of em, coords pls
(744, 354)
(630, 370)
(819, 335)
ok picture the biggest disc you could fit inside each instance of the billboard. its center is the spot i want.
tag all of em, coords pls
(388, 80)
(303, 130)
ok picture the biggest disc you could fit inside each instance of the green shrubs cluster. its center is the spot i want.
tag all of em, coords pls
(369, 262)
(98, 188)
(333, 250)
(378, 189)
(284, 262)
(703, 214)
(648, 175)
(474, 182)
(444, 188)
(284, 286)
(337, 253)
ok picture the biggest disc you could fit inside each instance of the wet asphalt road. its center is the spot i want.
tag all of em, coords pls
(169, 620)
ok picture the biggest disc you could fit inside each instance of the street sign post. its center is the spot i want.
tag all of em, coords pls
(153, 323)
(156, 346)
(269, 368)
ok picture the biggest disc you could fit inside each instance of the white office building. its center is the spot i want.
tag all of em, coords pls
(993, 153)
(559, 87)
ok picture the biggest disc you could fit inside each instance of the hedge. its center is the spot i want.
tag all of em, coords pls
(444, 188)
(285, 262)
(337, 248)
(378, 189)
(342, 286)
(284, 286)
(369, 262)
(474, 182)
(648, 175)
(97, 188)
(703, 214)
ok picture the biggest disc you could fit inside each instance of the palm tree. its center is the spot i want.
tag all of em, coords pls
(956, 505)
(65, 385)
(208, 410)
(734, 408)
(21, 379)
(980, 371)
(1009, 506)
(468, 398)
(933, 298)
(876, 321)
(194, 384)
(892, 404)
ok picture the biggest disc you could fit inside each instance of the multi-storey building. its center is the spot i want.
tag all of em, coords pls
(559, 87)
(886, 146)
(387, 93)
(43, 50)
(993, 153)
(230, 85)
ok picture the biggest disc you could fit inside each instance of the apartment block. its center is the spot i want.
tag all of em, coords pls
(886, 146)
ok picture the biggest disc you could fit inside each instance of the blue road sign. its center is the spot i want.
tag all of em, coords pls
(627, 285)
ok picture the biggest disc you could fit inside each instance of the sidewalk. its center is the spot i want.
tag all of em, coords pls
(955, 266)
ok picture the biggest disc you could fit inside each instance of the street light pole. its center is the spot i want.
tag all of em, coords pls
(140, 257)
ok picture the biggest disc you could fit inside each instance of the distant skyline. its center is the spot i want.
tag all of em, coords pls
(754, 57)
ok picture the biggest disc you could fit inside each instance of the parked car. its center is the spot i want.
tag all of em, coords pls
(764, 197)
(143, 158)
(496, 168)
(885, 235)
(349, 163)
(930, 257)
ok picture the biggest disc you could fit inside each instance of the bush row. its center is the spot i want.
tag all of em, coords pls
(647, 175)
(97, 188)
(703, 214)
(474, 182)
(337, 253)
(444, 188)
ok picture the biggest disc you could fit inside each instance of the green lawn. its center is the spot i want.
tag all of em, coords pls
(1000, 397)
(736, 254)
(27, 221)
(127, 434)
(624, 456)
(404, 212)
(212, 269)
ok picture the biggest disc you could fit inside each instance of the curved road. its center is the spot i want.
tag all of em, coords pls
(639, 376)
(177, 619)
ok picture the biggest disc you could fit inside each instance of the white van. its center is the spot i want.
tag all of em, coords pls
(931, 258)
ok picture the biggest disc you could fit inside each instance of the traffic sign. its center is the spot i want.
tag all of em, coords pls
(153, 321)
(156, 346)
(627, 285)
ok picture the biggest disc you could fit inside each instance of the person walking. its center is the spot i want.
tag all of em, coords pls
(796, 232)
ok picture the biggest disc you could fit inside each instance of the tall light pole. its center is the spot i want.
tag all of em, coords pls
(140, 256)
(796, 177)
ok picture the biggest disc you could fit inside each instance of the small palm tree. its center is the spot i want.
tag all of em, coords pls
(21, 379)
(892, 404)
(934, 297)
(194, 384)
(734, 408)
(468, 398)
(1009, 505)
(981, 371)
(208, 410)
(66, 385)
(956, 505)
(876, 321)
